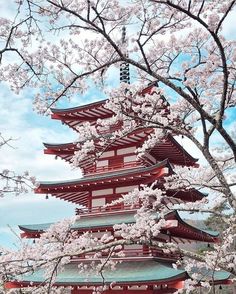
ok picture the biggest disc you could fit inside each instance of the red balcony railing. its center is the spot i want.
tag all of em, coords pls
(134, 253)
(115, 166)
(105, 209)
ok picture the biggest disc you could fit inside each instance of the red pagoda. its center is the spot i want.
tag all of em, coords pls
(143, 269)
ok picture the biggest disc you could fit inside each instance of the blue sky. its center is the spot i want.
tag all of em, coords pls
(29, 130)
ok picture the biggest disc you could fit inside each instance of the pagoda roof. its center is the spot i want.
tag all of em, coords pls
(75, 116)
(80, 107)
(66, 151)
(172, 149)
(146, 272)
(125, 273)
(189, 195)
(77, 190)
(179, 231)
(167, 148)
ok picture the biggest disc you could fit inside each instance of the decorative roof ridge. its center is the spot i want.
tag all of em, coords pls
(59, 144)
(80, 107)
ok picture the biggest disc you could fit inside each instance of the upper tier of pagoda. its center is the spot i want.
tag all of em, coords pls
(76, 116)
(97, 190)
(122, 152)
(119, 153)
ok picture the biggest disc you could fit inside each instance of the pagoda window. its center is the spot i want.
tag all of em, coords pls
(107, 154)
(125, 189)
(100, 234)
(130, 158)
(133, 250)
(102, 165)
(98, 202)
(117, 206)
(102, 192)
(127, 150)
(130, 161)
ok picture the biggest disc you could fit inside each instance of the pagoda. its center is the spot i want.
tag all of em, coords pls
(142, 269)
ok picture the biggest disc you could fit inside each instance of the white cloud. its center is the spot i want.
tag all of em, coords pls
(228, 27)
(18, 121)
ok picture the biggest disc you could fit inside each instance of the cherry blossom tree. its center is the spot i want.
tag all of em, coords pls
(62, 48)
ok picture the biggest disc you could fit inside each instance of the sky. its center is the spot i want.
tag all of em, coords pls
(29, 130)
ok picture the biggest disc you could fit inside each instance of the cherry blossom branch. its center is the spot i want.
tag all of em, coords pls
(113, 244)
(12, 182)
(77, 77)
(222, 53)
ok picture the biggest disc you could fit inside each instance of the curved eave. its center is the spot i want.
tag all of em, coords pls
(78, 108)
(60, 146)
(126, 273)
(190, 195)
(64, 151)
(169, 148)
(175, 226)
(177, 144)
(213, 277)
(76, 116)
(190, 232)
(148, 173)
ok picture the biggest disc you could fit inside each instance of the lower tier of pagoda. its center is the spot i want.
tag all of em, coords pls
(126, 277)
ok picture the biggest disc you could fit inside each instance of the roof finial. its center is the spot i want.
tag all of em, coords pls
(124, 66)
(123, 34)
